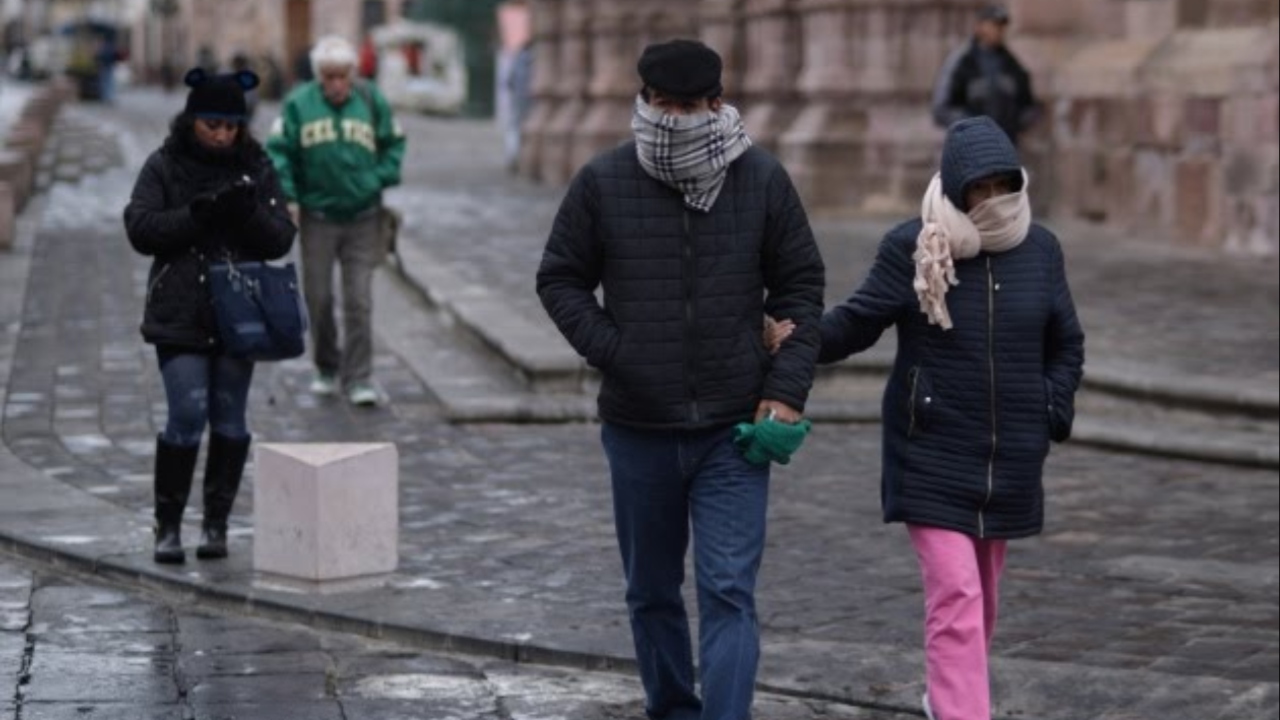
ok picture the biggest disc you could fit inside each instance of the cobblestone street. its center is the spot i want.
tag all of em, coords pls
(83, 649)
(1153, 595)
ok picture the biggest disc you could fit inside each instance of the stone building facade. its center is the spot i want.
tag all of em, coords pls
(281, 30)
(1161, 114)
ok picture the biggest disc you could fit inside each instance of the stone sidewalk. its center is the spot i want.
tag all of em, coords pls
(78, 648)
(1153, 593)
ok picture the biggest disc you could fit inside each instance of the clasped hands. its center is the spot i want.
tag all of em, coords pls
(775, 332)
(228, 207)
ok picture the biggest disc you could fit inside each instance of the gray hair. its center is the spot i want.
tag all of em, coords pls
(332, 51)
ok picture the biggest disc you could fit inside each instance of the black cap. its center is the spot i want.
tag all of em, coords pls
(995, 12)
(219, 96)
(681, 68)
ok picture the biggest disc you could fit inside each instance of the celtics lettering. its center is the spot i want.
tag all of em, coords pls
(325, 130)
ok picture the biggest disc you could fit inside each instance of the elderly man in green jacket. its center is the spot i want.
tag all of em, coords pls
(336, 146)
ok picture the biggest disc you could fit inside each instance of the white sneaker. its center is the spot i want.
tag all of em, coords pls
(928, 711)
(323, 384)
(363, 394)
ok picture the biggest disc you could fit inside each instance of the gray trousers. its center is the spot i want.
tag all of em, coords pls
(356, 248)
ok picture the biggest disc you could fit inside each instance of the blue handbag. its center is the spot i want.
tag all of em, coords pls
(259, 308)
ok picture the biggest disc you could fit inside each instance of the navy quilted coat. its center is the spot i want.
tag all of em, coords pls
(969, 412)
(678, 336)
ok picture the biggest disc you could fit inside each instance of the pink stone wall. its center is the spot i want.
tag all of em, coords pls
(1173, 133)
(1161, 115)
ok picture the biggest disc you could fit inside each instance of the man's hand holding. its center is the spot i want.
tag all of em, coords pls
(781, 412)
(776, 332)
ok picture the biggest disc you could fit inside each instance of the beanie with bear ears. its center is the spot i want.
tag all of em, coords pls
(219, 97)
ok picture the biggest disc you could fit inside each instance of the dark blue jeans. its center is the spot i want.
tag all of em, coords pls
(204, 389)
(665, 482)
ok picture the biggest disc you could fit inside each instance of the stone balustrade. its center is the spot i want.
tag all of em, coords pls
(24, 141)
(1160, 115)
(769, 62)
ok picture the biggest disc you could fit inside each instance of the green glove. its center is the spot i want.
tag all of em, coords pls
(769, 440)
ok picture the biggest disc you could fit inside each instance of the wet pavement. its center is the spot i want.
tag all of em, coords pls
(1153, 593)
(73, 648)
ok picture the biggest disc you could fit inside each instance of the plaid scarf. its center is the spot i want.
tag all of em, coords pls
(691, 153)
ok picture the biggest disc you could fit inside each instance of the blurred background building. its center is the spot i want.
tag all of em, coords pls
(1161, 115)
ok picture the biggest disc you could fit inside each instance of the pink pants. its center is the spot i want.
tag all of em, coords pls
(961, 597)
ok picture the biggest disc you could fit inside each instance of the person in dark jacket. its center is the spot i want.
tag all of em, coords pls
(693, 233)
(990, 354)
(983, 77)
(208, 194)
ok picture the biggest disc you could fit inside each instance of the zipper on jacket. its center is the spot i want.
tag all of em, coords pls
(991, 364)
(914, 375)
(156, 282)
(690, 320)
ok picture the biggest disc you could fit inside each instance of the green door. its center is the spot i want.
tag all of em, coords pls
(474, 20)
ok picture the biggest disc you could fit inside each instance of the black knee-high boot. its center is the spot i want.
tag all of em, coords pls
(223, 469)
(175, 465)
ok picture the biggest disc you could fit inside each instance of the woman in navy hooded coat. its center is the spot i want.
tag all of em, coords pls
(990, 355)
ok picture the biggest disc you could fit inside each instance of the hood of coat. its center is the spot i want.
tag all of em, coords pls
(975, 148)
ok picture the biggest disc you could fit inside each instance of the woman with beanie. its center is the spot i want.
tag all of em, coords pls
(989, 359)
(208, 194)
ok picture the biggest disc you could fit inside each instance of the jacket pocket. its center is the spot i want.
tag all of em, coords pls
(155, 281)
(920, 401)
(1061, 414)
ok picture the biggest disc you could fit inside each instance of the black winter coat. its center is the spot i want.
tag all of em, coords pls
(969, 412)
(159, 223)
(679, 336)
(964, 91)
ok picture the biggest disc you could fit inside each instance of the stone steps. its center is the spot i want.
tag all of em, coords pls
(500, 364)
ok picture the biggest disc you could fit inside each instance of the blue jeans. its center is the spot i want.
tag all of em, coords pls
(664, 482)
(204, 389)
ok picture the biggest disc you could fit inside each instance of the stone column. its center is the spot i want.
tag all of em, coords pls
(1044, 34)
(29, 139)
(662, 20)
(721, 27)
(613, 82)
(16, 173)
(618, 33)
(545, 87)
(573, 70)
(12, 166)
(864, 139)
(770, 98)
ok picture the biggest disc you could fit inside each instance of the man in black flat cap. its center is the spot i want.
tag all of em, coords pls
(983, 77)
(694, 235)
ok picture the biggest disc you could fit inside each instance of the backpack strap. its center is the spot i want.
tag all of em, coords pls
(366, 93)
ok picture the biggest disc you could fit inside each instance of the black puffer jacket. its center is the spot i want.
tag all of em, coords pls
(679, 336)
(158, 221)
(963, 90)
(969, 412)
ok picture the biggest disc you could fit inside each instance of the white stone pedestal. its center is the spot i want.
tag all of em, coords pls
(326, 511)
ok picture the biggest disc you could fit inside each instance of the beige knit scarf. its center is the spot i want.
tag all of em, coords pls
(996, 225)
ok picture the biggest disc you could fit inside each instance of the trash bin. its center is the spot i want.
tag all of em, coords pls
(474, 21)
